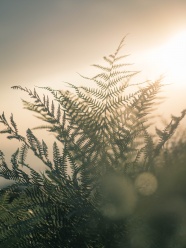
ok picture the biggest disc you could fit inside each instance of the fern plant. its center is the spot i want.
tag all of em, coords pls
(102, 138)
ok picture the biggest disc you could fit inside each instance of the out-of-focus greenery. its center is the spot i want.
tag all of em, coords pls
(160, 220)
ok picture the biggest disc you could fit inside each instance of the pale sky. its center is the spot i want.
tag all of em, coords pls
(47, 42)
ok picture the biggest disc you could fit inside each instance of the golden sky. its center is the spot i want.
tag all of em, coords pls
(47, 42)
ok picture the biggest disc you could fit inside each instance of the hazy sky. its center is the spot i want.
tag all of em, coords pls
(44, 42)
(48, 40)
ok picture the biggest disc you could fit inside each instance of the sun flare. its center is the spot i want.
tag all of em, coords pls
(170, 58)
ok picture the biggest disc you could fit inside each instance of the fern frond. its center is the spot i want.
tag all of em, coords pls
(121, 57)
(116, 66)
(169, 130)
(10, 129)
(43, 126)
(45, 149)
(108, 60)
(56, 156)
(14, 125)
(58, 117)
(102, 67)
(114, 80)
(22, 153)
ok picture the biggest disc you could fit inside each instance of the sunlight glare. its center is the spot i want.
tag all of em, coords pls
(170, 59)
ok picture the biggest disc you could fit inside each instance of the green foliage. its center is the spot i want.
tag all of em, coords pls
(99, 131)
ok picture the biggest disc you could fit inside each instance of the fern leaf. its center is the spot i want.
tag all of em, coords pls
(102, 67)
(13, 123)
(23, 153)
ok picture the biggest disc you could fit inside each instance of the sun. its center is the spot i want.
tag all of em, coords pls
(170, 59)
